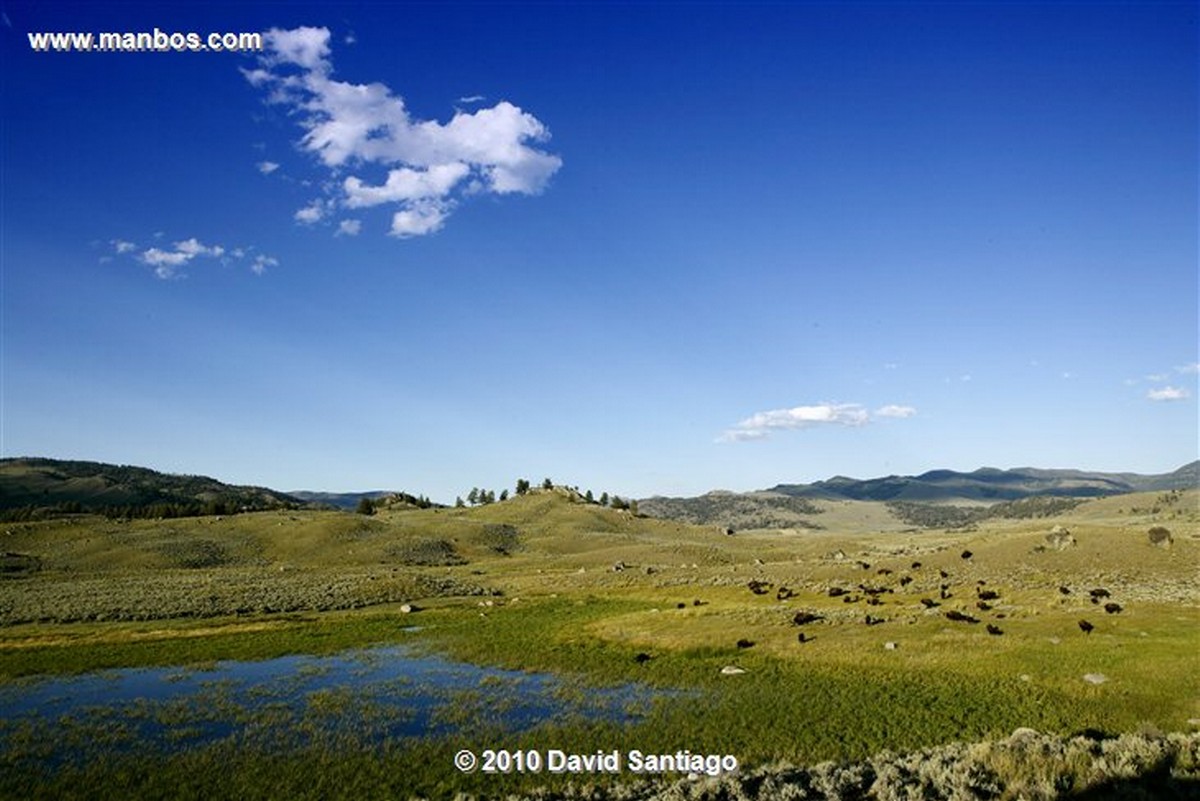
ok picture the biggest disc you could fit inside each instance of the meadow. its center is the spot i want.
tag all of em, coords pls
(548, 582)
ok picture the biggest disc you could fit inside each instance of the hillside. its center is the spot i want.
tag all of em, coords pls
(32, 487)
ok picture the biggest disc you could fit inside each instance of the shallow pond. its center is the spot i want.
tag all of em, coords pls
(356, 697)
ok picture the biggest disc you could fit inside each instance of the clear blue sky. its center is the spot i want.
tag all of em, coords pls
(642, 248)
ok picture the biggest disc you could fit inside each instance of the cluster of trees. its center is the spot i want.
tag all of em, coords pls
(481, 497)
(368, 506)
(928, 515)
(127, 511)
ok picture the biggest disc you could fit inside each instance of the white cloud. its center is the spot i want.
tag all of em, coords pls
(349, 228)
(261, 263)
(348, 125)
(168, 263)
(471, 99)
(311, 213)
(1168, 394)
(892, 410)
(304, 47)
(763, 424)
(418, 219)
(192, 247)
(1192, 368)
(406, 184)
(267, 167)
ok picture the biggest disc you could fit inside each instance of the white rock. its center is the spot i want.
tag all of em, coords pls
(1095, 678)
(732, 670)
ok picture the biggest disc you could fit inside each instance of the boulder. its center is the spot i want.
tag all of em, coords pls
(1060, 538)
(1160, 537)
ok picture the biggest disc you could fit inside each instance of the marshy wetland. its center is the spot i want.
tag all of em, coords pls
(835, 660)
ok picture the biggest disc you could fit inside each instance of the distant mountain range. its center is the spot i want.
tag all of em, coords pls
(340, 500)
(30, 486)
(792, 505)
(988, 485)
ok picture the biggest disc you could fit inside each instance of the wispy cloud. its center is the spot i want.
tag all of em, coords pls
(267, 167)
(169, 262)
(1189, 369)
(349, 228)
(763, 424)
(892, 410)
(1168, 394)
(431, 165)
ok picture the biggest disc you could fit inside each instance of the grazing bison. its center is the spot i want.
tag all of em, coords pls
(642, 658)
(836, 591)
(905, 581)
(759, 587)
(916, 565)
(873, 621)
(1099, 592)
(1065, 590)
(1112, 608)
(987, 595)
(983, 606)
(1085, 627)
(745, 643)
(802, 637)
(959, 617)
(994, 630)
(783, 593)
(804, 618)
(967, 554)
(929, 603)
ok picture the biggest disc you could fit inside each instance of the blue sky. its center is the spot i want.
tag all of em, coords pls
(642, 248)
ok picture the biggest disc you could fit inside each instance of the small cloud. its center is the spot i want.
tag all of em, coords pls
(1157, 377)
(892, 410)
(419, 219)
(760, 425)
(349, 228)
(350, 38)
(267, 167)
(311, 213)
(1189, 369)
(1168, 394)
(471, 99)
(261, 263)
(192, 247)
(122, 247)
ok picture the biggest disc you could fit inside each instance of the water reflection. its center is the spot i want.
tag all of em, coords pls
(363, 696)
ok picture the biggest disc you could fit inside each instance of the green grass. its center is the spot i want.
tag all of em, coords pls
(563, 608)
